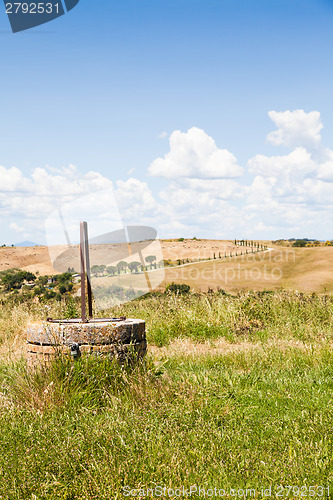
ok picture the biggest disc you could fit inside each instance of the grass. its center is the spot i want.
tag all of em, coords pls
(244, 418)
(254, 316)
(238, 421)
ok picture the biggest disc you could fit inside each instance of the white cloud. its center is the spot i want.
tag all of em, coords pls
(13, 180)
(32, 199)
(261, 189)
(316, 192)
(224, 189)
(285, 191)
(195, 154)
(260, 226)
(325, 169)
(15, 227)
(297, 163)
(135, 199)
(296, 128)
(302, 176)
(39, 194)
(286, 173)
(163, 135)
(205, 193)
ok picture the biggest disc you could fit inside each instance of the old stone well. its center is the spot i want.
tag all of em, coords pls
(118, 338)
(121, 338)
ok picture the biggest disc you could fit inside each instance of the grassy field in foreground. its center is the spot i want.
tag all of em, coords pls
(250, 406)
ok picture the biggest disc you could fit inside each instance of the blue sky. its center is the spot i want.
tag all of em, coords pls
(106, 86)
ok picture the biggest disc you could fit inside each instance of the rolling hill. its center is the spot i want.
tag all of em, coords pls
(303, 269)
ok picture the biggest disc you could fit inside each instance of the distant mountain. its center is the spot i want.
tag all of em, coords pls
(26, 244)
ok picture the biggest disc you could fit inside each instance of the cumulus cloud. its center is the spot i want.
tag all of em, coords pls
(295, 190)
(298, 163)
(325, 169)
(303, 177)
(195, 154)
(15, 227)
(135, 199)
(13, 180)
(205, 192)
(208, 190)
(286, 173)
(32, 199)
(296, 128)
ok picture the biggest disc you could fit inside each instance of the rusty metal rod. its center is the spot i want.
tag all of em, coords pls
(83, 274)
(86, 245)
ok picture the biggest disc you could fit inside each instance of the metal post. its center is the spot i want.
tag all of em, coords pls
(86, 245)
(83, 274)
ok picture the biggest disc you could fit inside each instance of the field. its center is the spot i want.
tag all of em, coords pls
(234, 397)
(302, 269)
(38, 258)
(34, 259)
(235, 394)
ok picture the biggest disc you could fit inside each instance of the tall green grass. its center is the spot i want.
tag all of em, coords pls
(244, 419)
(202, 317)
(253, 316)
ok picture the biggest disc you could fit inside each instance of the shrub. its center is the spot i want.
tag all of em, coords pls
(299, 243)
(178, 289)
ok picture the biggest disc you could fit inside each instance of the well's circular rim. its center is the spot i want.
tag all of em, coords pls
(78, 321)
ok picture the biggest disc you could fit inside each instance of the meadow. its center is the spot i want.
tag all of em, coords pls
(302, 269)
(235, 394)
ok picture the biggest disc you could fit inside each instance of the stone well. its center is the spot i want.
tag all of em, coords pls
(121, 339)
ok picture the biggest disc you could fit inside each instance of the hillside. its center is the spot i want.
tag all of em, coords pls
(34, 259)
(37, 259)
(303, 269)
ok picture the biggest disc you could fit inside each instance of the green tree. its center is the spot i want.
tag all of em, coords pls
(98, 269)
(94, 269)
(150, 259)
(15, 279)
(299, 243)
(111, 270)
(133, 266)
(64, 277)
(42, 280)
(121, 265)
